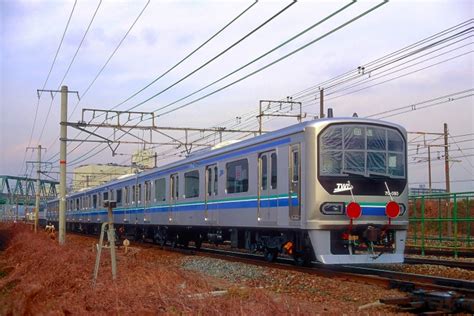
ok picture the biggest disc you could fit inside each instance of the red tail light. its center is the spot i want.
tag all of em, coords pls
(353, 210)
(392, 209)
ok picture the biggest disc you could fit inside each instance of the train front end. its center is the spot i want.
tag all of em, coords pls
(357, 207)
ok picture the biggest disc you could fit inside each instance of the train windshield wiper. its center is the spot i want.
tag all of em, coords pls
(353, 173)
(378, 174)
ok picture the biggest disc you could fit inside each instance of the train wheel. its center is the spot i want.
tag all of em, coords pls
(270, 254)
(302, 259)
(198, 243)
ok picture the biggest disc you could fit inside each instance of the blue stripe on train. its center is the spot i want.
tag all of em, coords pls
(373, 211)
(281, 202)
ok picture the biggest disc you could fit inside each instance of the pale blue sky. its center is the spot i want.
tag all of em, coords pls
(168, 30)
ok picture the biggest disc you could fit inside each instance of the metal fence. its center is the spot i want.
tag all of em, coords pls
(442, 221)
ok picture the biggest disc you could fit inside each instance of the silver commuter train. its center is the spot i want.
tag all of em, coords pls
(334, 190)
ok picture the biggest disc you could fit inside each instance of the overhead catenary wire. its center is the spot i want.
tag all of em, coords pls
(69, 66)
(340, 27)
(215, 57)
(103, 68)
(260, 57)
(386, 57)
(275, 61)
(173, 67)
(188, 55)
(46, 81)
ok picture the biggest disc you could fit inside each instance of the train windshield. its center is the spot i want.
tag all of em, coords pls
(362, 150)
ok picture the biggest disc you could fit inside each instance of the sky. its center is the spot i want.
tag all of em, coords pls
(167, 31)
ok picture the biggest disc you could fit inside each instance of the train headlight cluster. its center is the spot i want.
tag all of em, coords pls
(332, 208)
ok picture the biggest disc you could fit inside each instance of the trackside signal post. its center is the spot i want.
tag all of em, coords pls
(110, 205)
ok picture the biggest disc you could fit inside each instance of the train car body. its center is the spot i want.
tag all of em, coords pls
(334, 190)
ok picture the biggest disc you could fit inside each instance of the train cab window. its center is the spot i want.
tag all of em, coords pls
(274, 171)
(237, 176)
(191, 184)
(359, 150)
(160, 190)
(119, 197)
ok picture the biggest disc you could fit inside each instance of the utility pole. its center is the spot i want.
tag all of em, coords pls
(62, 167)
(429, 167)
(62, 159)
(38, 188)
(448, 184)
(38, 163)
(321, 103)
(446, 159)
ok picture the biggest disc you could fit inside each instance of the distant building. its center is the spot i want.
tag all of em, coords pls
(423, 190)
(88, 176)
(144, 159)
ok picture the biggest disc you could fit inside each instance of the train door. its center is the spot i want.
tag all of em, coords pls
(210, 209)
(267, 187)
(294, 202)
(174, 195)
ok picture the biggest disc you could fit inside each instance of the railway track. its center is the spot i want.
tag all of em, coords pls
(462, 252)
(376, 276)
(431, 289)
(447, 263)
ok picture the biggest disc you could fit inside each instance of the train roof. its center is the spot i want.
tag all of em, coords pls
(204, 154)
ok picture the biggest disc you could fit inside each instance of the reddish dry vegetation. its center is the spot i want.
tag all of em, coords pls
(37, 276)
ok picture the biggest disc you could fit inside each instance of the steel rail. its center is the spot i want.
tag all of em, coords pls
(467, 265)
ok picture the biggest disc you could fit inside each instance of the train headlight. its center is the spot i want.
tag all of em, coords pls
(392, 210)
(353, 210)
(332, 208)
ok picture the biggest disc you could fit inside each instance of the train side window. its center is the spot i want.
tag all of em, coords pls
(77, 204)
(191, 184)
(105, 196)
(216, 186)
(209, 181)
(296, 163)
(126, 193)
(237, 176)
(133, 194)
(160, 189)
(94, 201)
(147, 191)
(274, 171)
(119, 197)
(174, 186)
(139, 193)
(263, 180)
